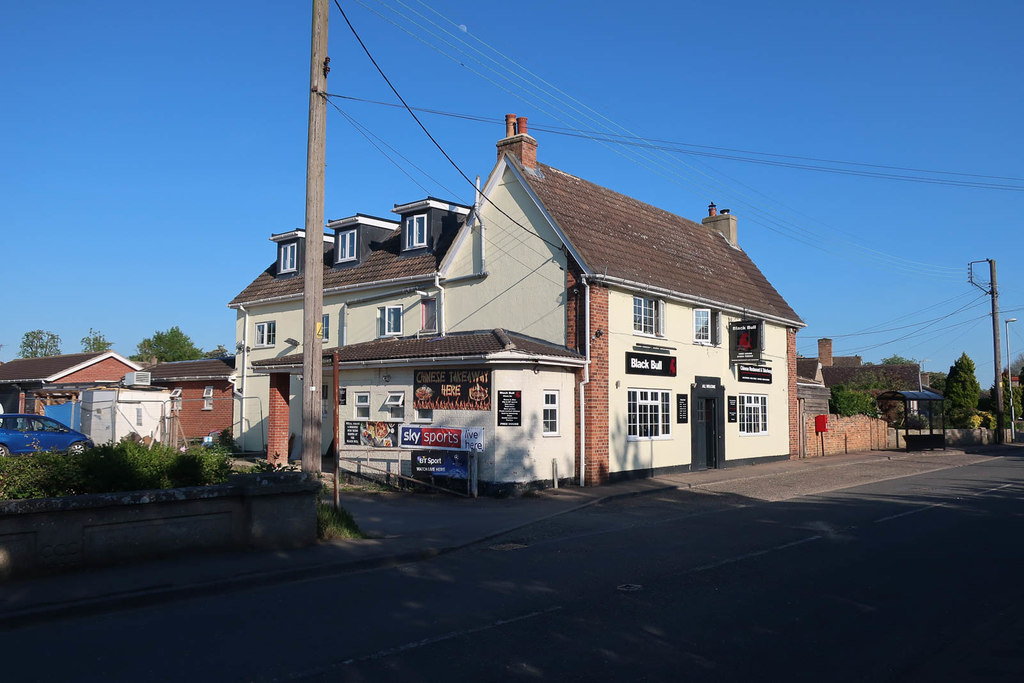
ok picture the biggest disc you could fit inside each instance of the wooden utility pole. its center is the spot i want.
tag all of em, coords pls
(313, 274)
(993, 291)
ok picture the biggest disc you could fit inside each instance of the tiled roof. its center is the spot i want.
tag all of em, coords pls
(899, 377)
(383, 263)
(624, 238)
(24, 369)
(458, 344)
(807, 368)
(208, 368)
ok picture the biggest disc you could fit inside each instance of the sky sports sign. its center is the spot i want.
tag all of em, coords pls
(648, 364)
(441, 438)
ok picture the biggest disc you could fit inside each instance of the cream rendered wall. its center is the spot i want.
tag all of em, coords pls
(525, 287)
(511, 454)
(692, 360)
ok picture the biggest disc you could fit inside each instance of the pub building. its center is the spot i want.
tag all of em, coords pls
(555, 328)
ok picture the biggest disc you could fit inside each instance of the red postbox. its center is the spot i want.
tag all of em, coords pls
(820, 424)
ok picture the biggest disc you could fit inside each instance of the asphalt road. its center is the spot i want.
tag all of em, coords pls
(911, 579)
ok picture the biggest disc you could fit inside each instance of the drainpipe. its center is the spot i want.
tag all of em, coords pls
(245, 361)
(480, 222)
(344, 325)
(586, 380)
(441, 327)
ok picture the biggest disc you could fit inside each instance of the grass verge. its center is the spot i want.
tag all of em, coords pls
(334, 524)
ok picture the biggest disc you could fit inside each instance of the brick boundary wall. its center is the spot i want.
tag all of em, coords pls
(278, 419)
(847, 434)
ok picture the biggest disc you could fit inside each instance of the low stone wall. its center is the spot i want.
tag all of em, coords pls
(954, 437)
(267, 511)
(846, 435)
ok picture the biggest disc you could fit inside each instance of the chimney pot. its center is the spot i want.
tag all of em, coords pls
(712, 209)
(510, 125)
(521, 126)
(725, 212)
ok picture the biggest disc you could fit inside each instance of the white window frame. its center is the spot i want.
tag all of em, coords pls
(385, 328)
(423, 314)
(208, 398)
(753, 414)
(176, 397)
(425, 415)
(325, 324)
(395, 403)
(550, 414)
(714, 327)
(648, 316)
(266, 334)
(416, 231)
(345, 249)
(289, 258)
(648, 414)
(361, 405)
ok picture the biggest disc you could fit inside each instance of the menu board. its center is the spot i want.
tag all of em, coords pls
(510, 408)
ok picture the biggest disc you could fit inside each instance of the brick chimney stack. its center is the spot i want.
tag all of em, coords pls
(723, 222)
(518, 142)
(825, 352)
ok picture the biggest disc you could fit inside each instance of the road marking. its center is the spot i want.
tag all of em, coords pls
(319, 671)
(938, 505)
(750, 556)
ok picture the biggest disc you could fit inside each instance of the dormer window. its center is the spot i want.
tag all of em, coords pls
(287, 261)
(346, 246)
(416, 231)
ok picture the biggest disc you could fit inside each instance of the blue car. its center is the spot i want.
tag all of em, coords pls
(32, 433)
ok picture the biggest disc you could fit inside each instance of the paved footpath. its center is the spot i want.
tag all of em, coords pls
(408, 527)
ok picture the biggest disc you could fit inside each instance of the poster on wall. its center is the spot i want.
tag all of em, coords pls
(732, 410)
(440, 464)
(371, 434)
(452, 389)
(745, 339)
(442, 438)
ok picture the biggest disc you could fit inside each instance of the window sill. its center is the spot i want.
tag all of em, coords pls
(546, 435)
(745, 434)
(649, 438)
(647, 335)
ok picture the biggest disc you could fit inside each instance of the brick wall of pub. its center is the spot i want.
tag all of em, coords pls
(277, 430)
(846, 435)
(596, 392)
(794, 404)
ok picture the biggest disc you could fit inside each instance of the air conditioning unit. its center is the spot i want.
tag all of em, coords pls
(135, 379)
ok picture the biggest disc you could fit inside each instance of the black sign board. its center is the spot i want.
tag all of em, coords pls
(745, 339)
(510, 408)
(353, 430)
(649, 364)
(760, 374)
(342, 395)
(732, 409)
(452, 389)
(682, 408)
(428, 463)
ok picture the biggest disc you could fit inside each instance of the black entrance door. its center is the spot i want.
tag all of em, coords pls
(708, 424)
(705, 454)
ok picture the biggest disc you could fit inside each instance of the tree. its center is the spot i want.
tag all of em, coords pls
(846, 402)
(937, 381)
(962, 392)
(167, 347)
(898, 360)
(39, 343)
(95, 342)
(218, 352)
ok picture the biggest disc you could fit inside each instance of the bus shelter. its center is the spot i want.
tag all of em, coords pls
(922, 405)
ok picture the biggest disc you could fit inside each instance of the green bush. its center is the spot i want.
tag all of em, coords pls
(126, 466)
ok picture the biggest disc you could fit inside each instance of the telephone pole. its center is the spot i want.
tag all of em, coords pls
(993, 291)
(313, 274)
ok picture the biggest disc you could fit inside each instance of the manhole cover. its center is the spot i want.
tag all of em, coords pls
(508, 546)
(629, 587)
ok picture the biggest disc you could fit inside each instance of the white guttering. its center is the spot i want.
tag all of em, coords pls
(427, 277)
(553, 361)
(585, 382)
(689, 299)
(439, 312)
(480, 222)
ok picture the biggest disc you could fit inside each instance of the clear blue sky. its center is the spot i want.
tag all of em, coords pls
(150, 150)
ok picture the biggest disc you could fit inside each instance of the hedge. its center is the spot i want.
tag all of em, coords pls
(126, 466)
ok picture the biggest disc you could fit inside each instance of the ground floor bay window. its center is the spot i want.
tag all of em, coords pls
(647, 414)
